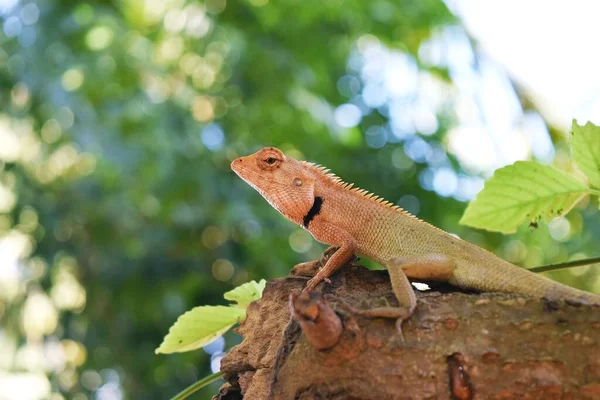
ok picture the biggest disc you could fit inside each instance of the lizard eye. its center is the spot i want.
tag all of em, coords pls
(270, 159)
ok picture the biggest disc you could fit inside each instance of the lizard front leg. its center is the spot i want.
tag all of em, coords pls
(309, 268)
(335, 236)
(341, 256)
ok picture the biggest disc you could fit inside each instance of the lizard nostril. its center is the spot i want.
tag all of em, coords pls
(235, 162)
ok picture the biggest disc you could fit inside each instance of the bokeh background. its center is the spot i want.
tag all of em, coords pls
(119, 118)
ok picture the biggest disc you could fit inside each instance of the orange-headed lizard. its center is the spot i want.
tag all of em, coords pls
(355, 222)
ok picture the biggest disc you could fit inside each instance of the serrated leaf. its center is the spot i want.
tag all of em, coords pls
(200, 326)
(246, 293)
(585, 145)
(524, 191)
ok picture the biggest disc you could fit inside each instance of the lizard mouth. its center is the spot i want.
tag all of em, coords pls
(237, 165)
(247, 174)
(252, 178)
(242, 171)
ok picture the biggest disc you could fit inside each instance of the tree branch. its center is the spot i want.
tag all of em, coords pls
(456, 345)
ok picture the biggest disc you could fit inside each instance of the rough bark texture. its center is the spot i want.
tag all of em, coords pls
(456, 345)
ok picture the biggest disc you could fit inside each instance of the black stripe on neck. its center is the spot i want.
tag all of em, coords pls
(313, 212)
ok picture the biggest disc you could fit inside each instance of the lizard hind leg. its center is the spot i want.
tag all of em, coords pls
(404, 294)
(433, 267)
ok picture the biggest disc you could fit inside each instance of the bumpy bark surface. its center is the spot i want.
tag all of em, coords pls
(456, 345)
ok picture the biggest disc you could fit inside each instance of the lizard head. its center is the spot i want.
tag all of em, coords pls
(283, 181)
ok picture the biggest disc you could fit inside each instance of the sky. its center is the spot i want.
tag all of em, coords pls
(550, 48)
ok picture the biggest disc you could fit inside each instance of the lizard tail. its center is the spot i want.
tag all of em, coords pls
(560, 291)
(509, 278)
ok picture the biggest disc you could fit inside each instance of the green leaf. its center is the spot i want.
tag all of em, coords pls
(200, 326)
(524, 191)
(585, 145)
(246, 293)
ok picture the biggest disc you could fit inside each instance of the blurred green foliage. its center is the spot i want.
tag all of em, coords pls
(118, 211)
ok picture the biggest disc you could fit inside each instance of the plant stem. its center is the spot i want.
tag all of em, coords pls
(568, 264)
(593, 191)
(194, 387)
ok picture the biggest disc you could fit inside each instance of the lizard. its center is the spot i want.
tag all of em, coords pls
(355, 222)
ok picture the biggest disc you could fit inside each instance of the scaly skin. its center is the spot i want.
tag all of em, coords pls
(360, 223)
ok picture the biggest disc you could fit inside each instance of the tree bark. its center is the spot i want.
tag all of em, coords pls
(456, 346)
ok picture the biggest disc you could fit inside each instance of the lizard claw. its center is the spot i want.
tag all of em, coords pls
(399, 322)
(314, 281)
(308, 268)
(311, 268)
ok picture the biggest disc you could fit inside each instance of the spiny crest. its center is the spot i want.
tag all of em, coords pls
(330, 176)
